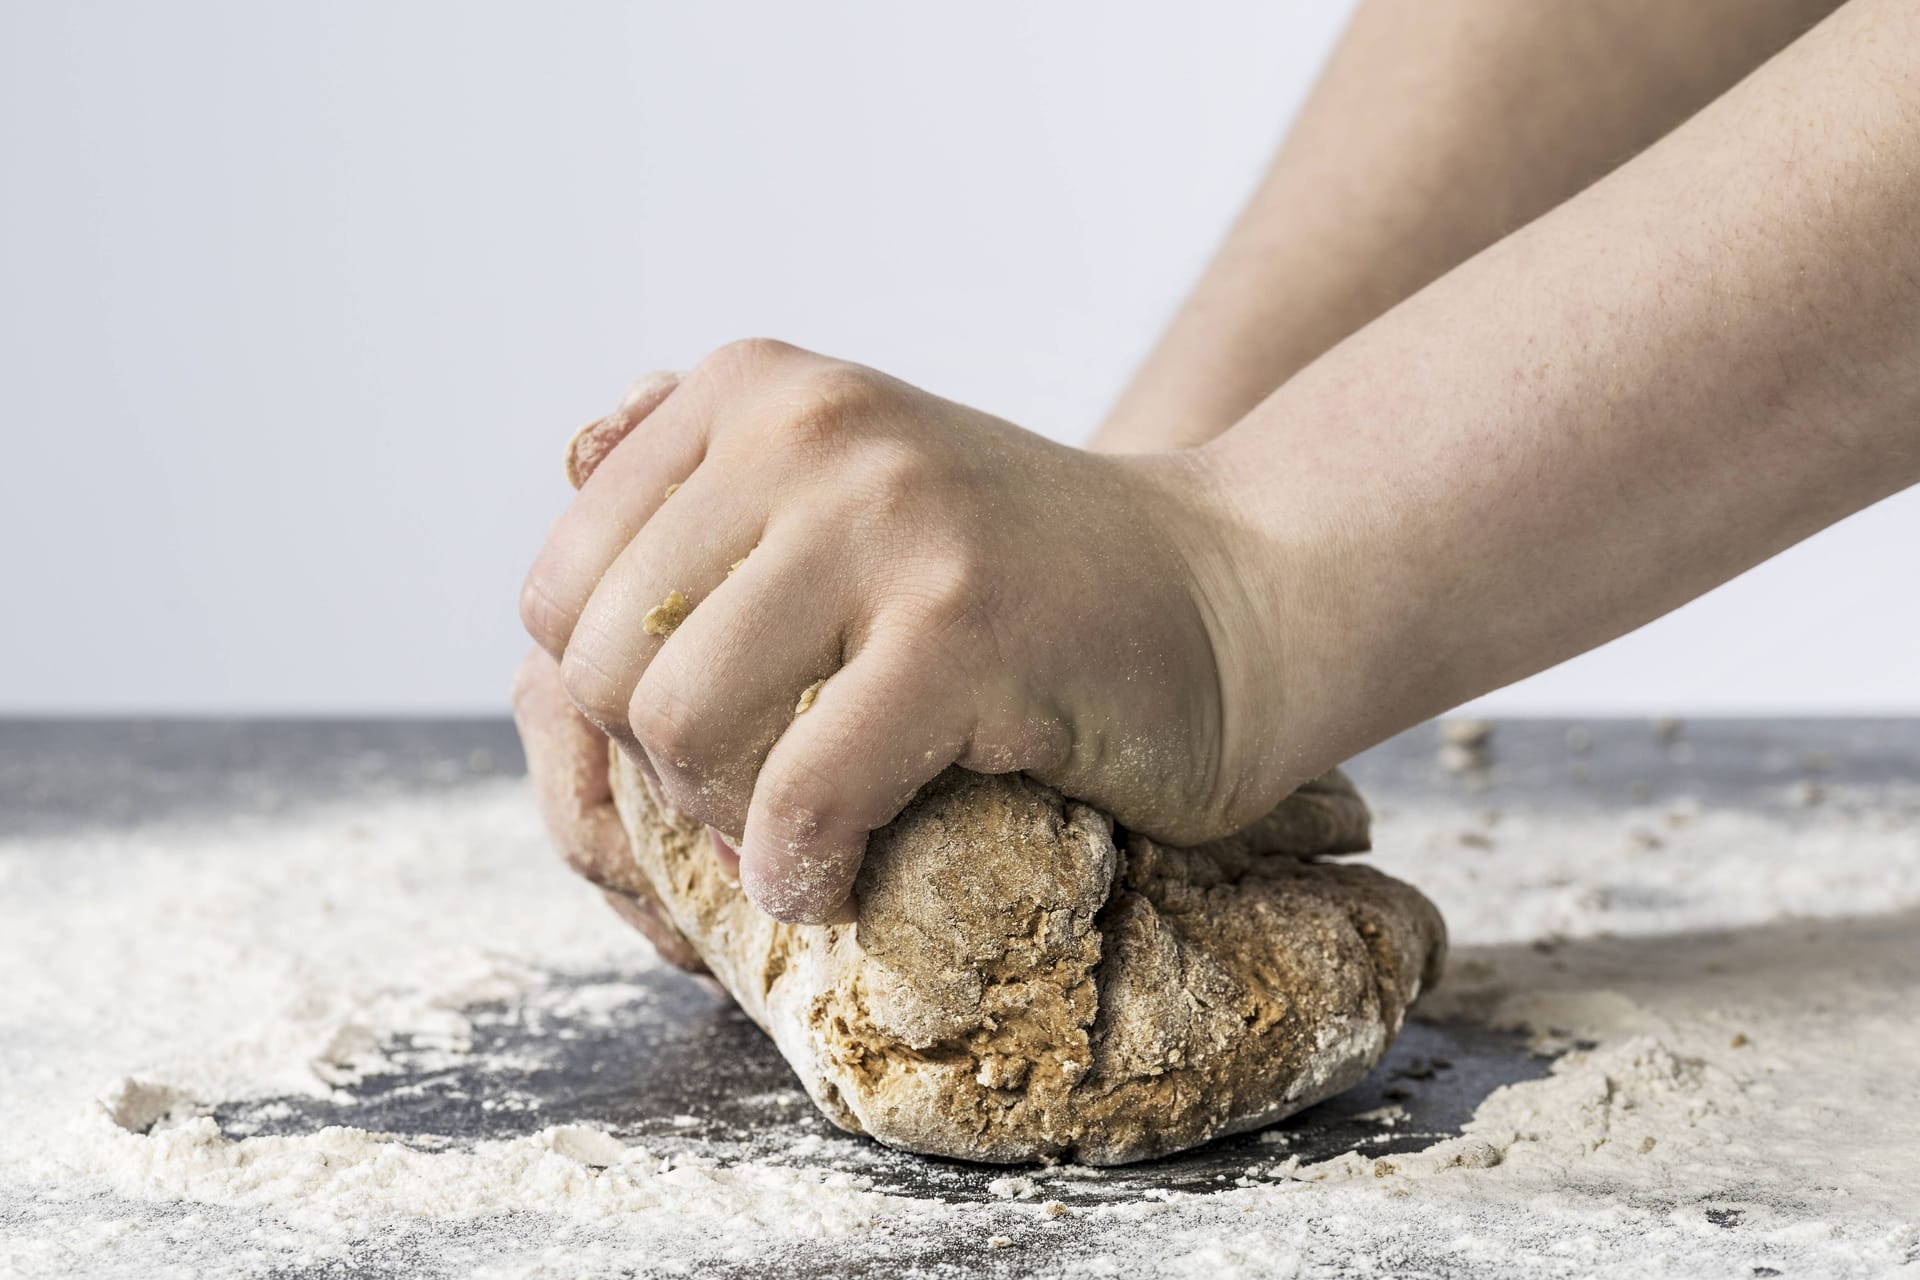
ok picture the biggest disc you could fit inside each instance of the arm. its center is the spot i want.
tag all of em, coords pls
(1435, 130)
(800, 589)
(1704, 358)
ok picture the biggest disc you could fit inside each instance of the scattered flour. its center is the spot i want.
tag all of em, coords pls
(344, 1175)
(1739, 1092)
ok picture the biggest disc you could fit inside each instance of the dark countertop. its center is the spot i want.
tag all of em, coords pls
(56, 774)
(695, 1075)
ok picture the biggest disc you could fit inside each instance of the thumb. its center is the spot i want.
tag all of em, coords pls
(847, 765)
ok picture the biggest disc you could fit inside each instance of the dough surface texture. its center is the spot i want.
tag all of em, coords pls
(1019, 985)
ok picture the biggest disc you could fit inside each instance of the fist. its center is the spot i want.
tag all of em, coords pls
(797, 589)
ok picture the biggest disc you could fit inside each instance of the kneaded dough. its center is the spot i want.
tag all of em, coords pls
(1019, 985)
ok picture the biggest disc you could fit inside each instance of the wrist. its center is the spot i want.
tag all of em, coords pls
(1325, 642)
(1250, 584)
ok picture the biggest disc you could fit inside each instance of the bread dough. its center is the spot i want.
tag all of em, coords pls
(1024, 982)
(1019, 986)
(665, 618)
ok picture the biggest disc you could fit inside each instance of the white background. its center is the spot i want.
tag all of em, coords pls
(298, 303)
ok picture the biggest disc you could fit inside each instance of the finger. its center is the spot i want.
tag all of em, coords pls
(568, 763)
(720, 692)
(621, 492)
(876, 733)
(649, 918)
(593, 442)
(671, 567)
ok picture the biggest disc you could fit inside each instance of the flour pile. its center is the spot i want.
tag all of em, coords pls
(1733, 997)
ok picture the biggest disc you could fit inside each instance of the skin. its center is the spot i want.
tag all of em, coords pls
(832, 523)
(567, 759)
(1499, 111)
(1398, 450)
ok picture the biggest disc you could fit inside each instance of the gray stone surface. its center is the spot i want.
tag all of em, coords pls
(684, 1071)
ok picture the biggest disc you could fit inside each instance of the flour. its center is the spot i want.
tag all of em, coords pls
(1734, 1008)
(348, 1175)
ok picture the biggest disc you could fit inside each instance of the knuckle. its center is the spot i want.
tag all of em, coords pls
(849, 390)
(545, 619)
(743, 357)
(591, 686)
(950, 594)
(890, 477)
(826, 404)
(664, 729)
(805, 426)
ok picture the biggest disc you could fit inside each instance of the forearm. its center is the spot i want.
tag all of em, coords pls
(1435, 130)
(1704, 358)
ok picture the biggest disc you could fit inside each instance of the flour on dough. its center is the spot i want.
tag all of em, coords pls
(1024, 982)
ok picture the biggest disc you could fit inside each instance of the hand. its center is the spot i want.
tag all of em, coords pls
(800, 589)
(567, 758)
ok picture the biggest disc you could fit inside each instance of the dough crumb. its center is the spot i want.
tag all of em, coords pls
(585, 451)
(138, 1105)
(665, 618)
(1466, 746)
(1479, 1155)
(807, 695)
(1466, 733)
(671, 490)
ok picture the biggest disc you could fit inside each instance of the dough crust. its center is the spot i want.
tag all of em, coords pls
(1017, 986)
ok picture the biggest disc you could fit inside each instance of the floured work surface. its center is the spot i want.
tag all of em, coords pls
(331, 1009)
(1021, 985)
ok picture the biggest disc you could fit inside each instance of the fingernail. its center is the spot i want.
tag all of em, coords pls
(724, 854)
